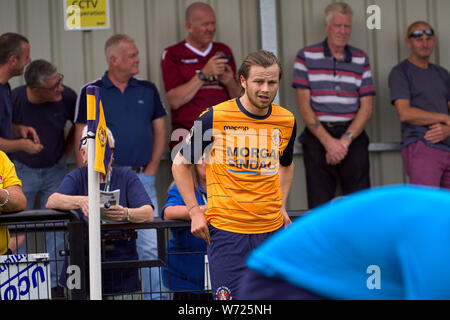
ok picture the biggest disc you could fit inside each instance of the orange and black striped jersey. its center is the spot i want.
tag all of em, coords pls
(243, 153)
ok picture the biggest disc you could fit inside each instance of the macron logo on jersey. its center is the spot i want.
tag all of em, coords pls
(235, 128)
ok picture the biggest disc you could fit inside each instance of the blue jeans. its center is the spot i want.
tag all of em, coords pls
(44, 182)
(147, 247)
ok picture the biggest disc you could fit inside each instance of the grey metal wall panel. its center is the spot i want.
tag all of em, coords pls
(156, 24)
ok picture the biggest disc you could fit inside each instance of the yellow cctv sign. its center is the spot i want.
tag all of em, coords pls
(86, 14)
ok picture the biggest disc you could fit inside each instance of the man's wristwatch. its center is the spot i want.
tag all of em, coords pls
(202, 76)
(349, 134)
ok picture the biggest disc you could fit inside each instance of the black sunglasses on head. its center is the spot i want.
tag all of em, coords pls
(419, 33)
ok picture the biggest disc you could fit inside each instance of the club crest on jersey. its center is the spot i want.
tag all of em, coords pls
(276, 137)
(223, 293)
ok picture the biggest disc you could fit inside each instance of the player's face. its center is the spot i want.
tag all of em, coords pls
(261, 86)
(421, 47)
(127, 60)
(202, 27)
(339, 29)
(22, 60)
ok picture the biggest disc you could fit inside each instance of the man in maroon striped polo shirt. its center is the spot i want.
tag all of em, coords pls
(335, 92)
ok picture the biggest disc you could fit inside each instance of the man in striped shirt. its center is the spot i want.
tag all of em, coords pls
(335, 92)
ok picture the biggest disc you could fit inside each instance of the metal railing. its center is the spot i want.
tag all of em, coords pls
(34, 225)
(75, 253)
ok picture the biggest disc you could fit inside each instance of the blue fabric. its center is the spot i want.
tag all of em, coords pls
(332, 251)
(129, 116)
(5, 112)
(184, 272)
(227, 254)
(132, 195)
(259, 287)
(49, 120)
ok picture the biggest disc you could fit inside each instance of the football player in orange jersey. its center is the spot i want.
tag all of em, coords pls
(247, 185)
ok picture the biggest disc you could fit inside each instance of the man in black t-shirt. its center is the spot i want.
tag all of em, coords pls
(420, 91)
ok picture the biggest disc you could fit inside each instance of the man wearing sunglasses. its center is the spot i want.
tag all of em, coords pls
(46, 105)
(420, 91)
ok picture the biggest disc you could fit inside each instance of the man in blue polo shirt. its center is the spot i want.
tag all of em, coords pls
(135, 115)
(14, 56)
(335, 99)
(46, 105)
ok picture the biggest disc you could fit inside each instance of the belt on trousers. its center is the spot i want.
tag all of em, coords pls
(331, 124)
(135, 169)
(138, 169)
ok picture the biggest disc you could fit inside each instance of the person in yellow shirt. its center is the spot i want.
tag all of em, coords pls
(11, 197)
(248, 144)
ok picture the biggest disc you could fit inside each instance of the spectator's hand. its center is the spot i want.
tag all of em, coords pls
(29, 146)
(215, 66)
(199, 225)
(336, 151)
(150, 170)
(27, 132)
(83, 204)
(227, 76)
(116, 213)
(437, 133)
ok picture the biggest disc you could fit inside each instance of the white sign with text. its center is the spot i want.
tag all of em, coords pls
(25, 277)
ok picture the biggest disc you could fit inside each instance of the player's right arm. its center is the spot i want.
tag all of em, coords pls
(181, 171)
(193, 146)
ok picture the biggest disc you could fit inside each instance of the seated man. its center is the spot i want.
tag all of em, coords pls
(134, 206)
(384, 243)
(11, 198)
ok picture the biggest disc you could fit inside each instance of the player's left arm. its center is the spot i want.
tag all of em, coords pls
(286, 173)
